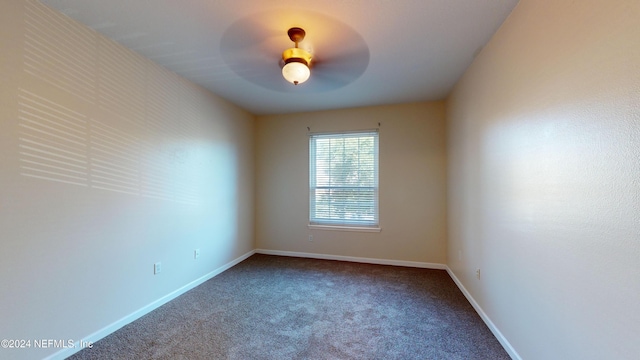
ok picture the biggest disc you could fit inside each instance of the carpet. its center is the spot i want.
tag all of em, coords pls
(273, 307)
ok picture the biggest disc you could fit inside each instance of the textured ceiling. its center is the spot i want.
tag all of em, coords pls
(366, 52)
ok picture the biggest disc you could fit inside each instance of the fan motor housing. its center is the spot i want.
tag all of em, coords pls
(296, 55)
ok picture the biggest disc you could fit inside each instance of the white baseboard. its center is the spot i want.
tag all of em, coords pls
(354, 259)
(503, 341)
(92, 338)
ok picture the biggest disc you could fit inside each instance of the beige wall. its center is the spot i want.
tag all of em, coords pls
(412, 183)
(108, 164)
(544, 154)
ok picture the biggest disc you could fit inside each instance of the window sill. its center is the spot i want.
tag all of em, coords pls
(344, 228)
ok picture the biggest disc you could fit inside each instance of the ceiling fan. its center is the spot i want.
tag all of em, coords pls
(296, 61)
(327, 54)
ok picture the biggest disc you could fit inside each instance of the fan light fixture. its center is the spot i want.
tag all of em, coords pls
(296, 60)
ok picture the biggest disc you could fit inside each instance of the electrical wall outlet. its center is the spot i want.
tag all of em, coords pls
(196, 253)
(310, 237)
(478, 274)
(157, 268)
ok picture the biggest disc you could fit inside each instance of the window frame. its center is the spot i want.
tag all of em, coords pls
(343, 224)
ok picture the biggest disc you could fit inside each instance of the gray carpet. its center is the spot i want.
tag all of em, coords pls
(272, 307)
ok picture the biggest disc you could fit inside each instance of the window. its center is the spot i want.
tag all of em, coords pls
(343, 179)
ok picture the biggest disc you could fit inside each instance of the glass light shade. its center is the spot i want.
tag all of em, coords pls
(296, 73)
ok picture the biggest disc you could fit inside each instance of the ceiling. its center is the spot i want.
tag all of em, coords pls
(366, 52)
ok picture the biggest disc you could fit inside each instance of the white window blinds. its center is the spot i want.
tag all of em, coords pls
(343, 179)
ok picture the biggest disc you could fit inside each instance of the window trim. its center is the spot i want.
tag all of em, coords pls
(337, 226)
(345, 228)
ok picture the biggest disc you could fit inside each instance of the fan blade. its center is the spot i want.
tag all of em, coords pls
(243, 37)
(339, 69)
